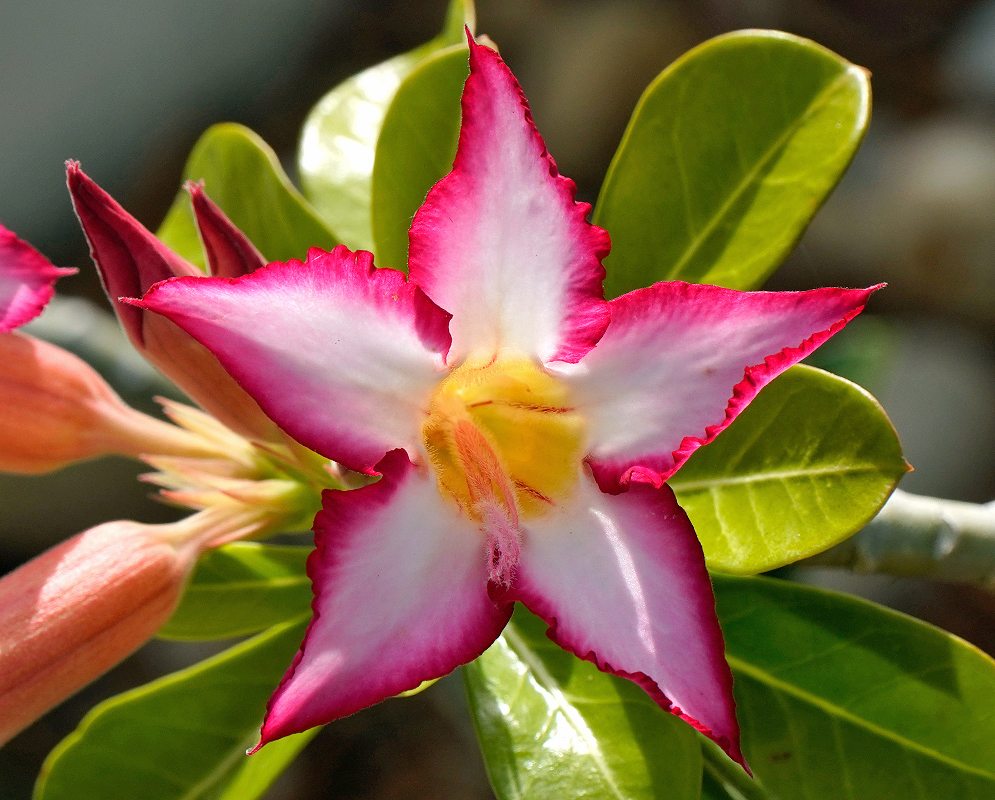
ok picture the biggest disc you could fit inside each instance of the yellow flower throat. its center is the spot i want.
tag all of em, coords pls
(505, 444)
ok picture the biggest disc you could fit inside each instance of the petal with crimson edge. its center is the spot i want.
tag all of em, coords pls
(621, 580)
(339, 354)
(27, 281)
(500, 242)
(400, 581)
(679, 361)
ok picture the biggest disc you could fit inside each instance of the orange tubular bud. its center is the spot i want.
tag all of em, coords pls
(55, 409)
(78, 609)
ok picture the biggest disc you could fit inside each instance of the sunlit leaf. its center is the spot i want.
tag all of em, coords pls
(808, 463)
(242, 588)
(416, 149)
(728, 155)
(552, 726)
(339, 137)
(242, 174)
(184, 736)
(840, 698)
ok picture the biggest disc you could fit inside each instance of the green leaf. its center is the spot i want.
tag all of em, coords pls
(724, 779)
(553, 726)
(339, 137)
(242, 174)
(182, 737)
(416, 149)
(253, 776)
(728, 155)
(840, 698)
(809, 462)
(242, 588)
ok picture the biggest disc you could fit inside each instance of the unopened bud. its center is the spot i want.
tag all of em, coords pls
(229, 251)
(130, 260)
(55, 409)
(78, 609)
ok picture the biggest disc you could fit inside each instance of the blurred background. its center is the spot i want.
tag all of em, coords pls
(127, 86)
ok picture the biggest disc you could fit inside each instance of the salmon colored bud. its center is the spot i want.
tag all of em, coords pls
(229, 251)
(55, 409)
(78, 609)
(130, 260)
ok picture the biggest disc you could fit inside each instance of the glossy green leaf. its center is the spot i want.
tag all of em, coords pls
(840, 698)
(242, 174)
(416, 149)
(728, 155)
(242, 588)
(182, 737)
(254, 775)
(808, 463)
(339, 137)
(552, 726)
(724, 779)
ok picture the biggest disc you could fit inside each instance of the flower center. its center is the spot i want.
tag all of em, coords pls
(506, 445)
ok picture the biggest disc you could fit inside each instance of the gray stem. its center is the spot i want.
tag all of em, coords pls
(923, 537)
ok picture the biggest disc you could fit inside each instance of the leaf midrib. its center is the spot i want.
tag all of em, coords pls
(750, 177)
(252, 584)
(838, 712)
(764, 477)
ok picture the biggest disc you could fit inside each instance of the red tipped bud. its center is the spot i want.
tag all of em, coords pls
(130, 259)
(229, 251)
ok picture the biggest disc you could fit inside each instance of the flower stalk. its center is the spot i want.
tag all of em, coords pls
(922, 537)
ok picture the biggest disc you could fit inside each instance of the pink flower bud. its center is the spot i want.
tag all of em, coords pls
(229, 251)
(130, 260)
(55, 409)
(78, 609)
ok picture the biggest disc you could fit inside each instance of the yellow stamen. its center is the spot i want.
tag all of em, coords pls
(506, 444)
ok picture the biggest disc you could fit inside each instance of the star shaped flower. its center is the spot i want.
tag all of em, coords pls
(522, 427)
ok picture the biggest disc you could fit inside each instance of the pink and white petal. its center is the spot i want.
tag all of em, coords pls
(500, 242)
(27, 281)
(341, 355)
(621, 581)
(229, 251)
(400, 581)
(680, 361)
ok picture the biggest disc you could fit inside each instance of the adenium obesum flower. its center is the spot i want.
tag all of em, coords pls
(522, 427)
